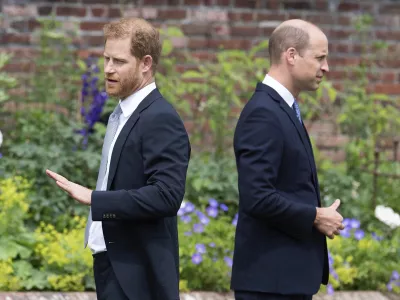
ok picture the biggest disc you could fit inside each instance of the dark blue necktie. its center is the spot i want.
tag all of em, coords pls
(296, 109)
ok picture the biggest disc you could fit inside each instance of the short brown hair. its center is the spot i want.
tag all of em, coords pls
(145, 39)
(285, 37)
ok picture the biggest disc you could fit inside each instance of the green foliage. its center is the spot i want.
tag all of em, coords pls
(206, 253)
(6, 81)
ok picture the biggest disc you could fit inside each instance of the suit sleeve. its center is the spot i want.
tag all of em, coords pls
(259, 146)
(166, 153)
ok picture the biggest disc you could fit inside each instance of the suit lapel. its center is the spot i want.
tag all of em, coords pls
(123, 135)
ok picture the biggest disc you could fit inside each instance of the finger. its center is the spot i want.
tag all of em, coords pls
(56, 176)
(335, 204)
(64, 186)
(341, 227)
(336, 232)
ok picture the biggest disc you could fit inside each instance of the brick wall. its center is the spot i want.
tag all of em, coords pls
(211, 23)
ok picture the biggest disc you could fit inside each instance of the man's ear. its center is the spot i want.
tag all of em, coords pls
(147, 63)
(291, 55)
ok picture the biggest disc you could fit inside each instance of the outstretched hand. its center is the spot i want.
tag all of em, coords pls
(79, 193)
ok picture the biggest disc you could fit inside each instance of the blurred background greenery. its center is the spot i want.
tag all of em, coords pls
(60, 124)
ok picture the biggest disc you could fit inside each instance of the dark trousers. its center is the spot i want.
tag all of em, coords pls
(241, 295)
(107, 286)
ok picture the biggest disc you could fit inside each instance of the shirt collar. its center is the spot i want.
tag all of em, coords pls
(129, 105)
(280, 89)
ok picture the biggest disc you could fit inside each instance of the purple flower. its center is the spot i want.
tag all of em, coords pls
(200, 248)
(395, 276)
(197, 258)
(203, 218)
(198, 228)
(228, 261)
(330, 289)
(359, 234)
(346, 222)
(330, 259)
(186, 219)
(212, 245)
(213, 203)
(188, 233)
(212, 211)
(376, 237)
(235, 220)
(223, 207)
(1, 155)
(354, 224)
(389, 287)
(345, 233)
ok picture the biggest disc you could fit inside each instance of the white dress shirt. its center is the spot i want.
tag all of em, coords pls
(280, 89)
(96, 239)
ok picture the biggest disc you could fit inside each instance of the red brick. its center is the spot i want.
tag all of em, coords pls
(69, 11)
(21, 52)
(174, 2)
(271, 16)
(204, 55)
(273, 4)
(222, 2)
(341, 48)
(337, 74)
(389, 8)
(321, 5)
(114, 13)
(245, 31)
(388, 35)
(245, 3)
(45, 10)
(154, 2)
(320, 19)
(348, 6)
(20, 10)
(172, 14)
(344, 61)
(387, 76)
(387, 88)
(93, 40)
(340, 33)
(345, 20)
(192, 2)
(19, 67)
(241, 16)
(94, 1)
(92, 26)
(229, 44)
(196, 29)
(25, 25)
(99, 12)
(196, 43)
(295, 15)
(297, 5)
(14, 38)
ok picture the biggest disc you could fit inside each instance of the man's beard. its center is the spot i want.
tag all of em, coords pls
(126, 87)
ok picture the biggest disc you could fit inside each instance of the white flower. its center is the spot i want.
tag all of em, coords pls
(388, 216)
(1, 138)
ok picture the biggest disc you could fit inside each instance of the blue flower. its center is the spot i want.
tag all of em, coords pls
(203, 218)
(223, 207)
(198, 228)
(197, 258)
(200, 248)
(213, 203)
(359, 234)
(330, 289)
(228, 261)
(235, 220)
(395, 276)
(212, 211)
(354, 224)
(345, 232)
(212, 244)
(186, 219)
(376, 237)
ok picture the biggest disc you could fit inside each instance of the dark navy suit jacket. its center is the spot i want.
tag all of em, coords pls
(277, 248)
(146, 185)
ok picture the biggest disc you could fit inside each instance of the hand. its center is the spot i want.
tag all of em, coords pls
(76, 191)
(328, 220)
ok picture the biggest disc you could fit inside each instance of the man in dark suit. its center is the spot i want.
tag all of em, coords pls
(280, 244)
(132, 225)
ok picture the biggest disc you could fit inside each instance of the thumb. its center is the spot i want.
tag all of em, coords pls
(335, 204)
